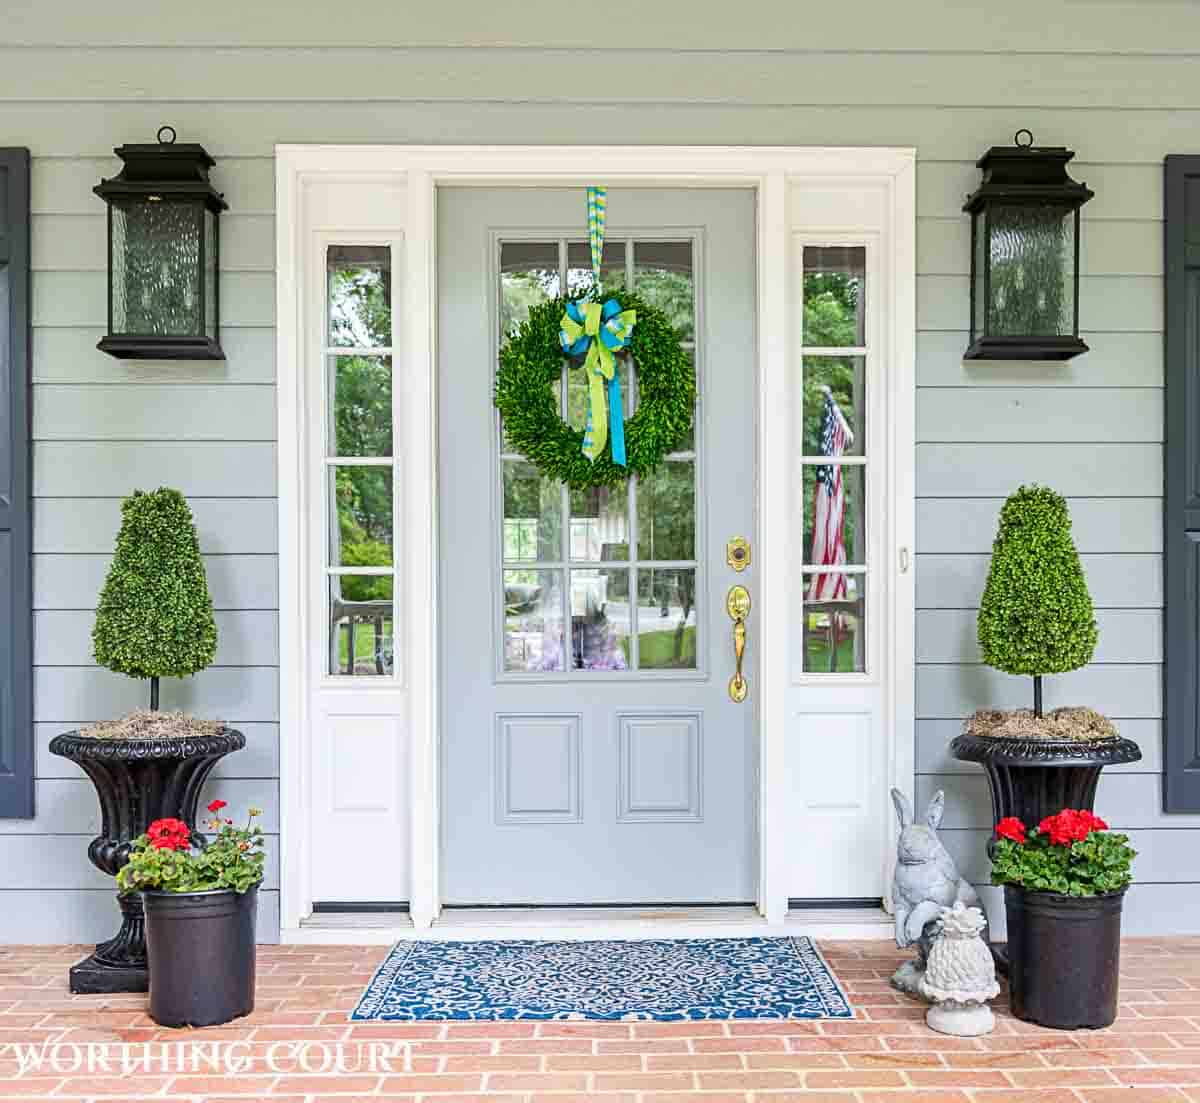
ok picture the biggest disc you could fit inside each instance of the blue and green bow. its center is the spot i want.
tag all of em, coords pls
(597, 332)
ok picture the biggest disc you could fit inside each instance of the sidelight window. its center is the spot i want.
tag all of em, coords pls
(603, 579)
(359, 467)
(835, 356)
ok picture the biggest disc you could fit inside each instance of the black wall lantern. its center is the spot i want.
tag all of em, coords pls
(163, 249)
(1025, 254)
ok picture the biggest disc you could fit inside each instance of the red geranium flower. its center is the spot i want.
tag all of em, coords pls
(169, 834)
(216, 806)
(1011, 828)
(1071, 825)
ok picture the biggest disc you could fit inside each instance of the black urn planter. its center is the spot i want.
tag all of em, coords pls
(138, 781)
(1035, 778)
(1064, 957)
(202, 956)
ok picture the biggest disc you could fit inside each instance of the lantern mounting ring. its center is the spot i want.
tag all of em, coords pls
(1017, 139)
(166, 130)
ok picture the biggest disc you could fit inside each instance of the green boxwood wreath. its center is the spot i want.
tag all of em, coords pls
(531, 362)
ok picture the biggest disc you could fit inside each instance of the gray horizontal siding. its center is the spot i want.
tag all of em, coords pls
(225, 526)
(921, 26)
(886, 75)
(234, 581)
(68, 806)
(69, 355)
(88, 915)
(967, 526)
(747, 78)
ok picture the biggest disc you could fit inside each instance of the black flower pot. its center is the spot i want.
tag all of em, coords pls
(202, 958)
(1064, 957)
(138, 781)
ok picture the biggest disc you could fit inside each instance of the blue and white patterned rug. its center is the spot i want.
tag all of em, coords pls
(665, 980)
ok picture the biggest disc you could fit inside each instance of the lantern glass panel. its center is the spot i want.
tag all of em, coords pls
(210, 274)
(1031, 259)
(156, 268)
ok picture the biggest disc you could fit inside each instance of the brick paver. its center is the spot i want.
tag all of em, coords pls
(299, 1047)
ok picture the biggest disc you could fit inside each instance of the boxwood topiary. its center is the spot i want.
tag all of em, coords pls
(1036, 613)
(155, 618)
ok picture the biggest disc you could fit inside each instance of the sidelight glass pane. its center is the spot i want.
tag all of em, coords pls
(528, 276)
(156, 268)
(361, 632)
(666, 512)
(360, 295)
(834, 516)
(834, 634)
(662, 275)
(834, 295)
(838, 429)
(1032, 255)
(532, 514)
(600, 619)
(666, 618)
(360, 530)
(361, 405)
(580, 278)
(533, 624)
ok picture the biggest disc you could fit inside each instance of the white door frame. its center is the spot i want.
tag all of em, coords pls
(885, 177)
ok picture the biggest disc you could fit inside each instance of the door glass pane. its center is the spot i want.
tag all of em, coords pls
(600, 619)
(834, 295)
(600, 523)
(662, 275)
(360, 296)
(834, 405)
(528, 276)
(666, 512)
(360, 531)
(533, 627)
(361, 406)
(834, 519)
(666, 618)
(361, 639)
(580, 278)
(579, 392)
(834, 634)
(532, 514)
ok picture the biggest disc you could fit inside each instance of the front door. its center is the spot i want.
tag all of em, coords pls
(591, 752)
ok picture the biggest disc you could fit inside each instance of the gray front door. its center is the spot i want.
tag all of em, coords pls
(590, 749)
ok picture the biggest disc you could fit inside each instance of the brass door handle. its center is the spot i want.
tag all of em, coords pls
(737, 605)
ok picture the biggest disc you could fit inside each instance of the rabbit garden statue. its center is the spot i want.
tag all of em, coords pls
(926, 880)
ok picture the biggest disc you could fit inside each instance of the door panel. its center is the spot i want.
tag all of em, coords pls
(591, 752)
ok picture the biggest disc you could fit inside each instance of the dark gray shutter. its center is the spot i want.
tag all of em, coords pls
(16, 594)
(1181, 506)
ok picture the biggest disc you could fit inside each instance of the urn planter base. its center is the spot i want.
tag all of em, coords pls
(118, 965)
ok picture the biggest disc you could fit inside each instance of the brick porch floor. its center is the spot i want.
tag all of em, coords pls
(306, 993)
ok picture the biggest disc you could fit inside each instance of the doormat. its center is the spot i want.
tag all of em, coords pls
(663, 980)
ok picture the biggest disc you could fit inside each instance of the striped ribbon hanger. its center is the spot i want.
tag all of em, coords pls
(598, 331)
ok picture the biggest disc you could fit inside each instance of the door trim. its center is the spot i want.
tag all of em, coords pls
(887, 174)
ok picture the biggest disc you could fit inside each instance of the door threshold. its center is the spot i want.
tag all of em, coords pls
(474, 924)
